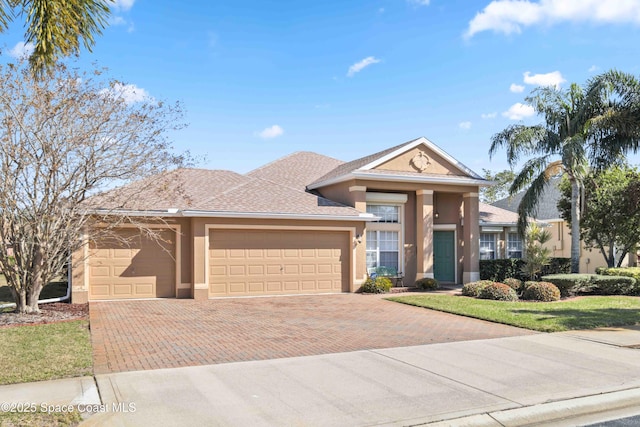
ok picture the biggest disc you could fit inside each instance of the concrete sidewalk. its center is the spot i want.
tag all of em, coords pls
(504, 381)
(542, 379)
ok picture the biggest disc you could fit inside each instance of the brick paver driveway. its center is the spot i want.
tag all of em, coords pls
(153, 334)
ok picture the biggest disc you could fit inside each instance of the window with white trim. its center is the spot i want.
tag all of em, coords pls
(514, 245)
(487, 246)
(384, 237)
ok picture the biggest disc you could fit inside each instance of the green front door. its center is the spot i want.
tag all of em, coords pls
(444, 256)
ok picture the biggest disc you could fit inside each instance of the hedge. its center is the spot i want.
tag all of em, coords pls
(570, 284)
(622, 271)
(614, 285)
(497, 270)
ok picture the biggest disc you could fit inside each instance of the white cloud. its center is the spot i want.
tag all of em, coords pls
(593, 69)
(22, 50)
(464, 125)
(516, 88)
(420, 2)
(550, 79)
(271, 132)
(489, 115)
(130, 93)
(519, 111)
(123, 5)
(359, 66)
(510, 16)
(381, 10)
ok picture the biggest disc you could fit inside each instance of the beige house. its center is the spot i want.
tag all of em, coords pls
(549, 215)
(305, 223)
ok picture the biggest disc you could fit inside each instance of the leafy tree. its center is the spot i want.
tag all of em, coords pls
(535, 254)
(63, 139)
(610, 220)
(57, 28)
(499, 191)
(581, 126)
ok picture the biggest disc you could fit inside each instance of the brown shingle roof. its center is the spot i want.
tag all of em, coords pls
(353, 165)
(494, 215)
(296, 170)
(217, 191)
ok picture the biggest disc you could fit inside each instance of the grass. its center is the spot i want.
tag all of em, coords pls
(579, 313)
(45, 352)
(40, 419)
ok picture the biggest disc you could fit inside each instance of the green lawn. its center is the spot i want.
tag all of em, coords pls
(45, 352)
(579, 313)
(40, 419)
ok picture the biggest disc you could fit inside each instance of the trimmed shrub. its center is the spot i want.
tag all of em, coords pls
(379, 285)
(528, 283)
(499, 269)
(427, 284)
(570, 284)
(542, 291)
(513, 283)
(498, 292)
(472, 289)
(614, 285)
(623, 271)
(557, 266)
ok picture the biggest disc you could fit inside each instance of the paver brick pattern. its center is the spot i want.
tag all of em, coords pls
(170, 333)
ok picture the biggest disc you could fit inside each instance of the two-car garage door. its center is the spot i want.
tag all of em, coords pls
(263, 262)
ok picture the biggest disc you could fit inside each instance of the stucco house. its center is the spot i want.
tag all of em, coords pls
(305, 223)
(549, 215)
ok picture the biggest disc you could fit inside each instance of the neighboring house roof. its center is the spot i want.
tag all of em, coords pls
(493, 215)
(297, 169)
(547, 206)
(199, 192)
(363, 167)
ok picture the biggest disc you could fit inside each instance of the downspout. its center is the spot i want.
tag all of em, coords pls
(49, 300)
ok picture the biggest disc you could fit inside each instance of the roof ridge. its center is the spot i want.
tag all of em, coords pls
(279, 159)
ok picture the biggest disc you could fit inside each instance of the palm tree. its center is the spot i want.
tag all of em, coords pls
(56, 27)
(595, 125)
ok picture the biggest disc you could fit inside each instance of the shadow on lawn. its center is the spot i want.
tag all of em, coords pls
(588, 318)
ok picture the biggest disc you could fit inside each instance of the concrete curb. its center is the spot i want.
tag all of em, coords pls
(553, 412)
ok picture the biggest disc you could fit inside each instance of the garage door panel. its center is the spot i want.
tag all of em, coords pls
(271, 262)
(132, 266)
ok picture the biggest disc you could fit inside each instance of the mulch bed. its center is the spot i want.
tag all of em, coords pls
(49, 313)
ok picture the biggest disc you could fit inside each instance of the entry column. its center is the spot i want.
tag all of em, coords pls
(471, 234)
(424, 234)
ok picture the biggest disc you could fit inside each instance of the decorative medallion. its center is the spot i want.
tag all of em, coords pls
(420, 161)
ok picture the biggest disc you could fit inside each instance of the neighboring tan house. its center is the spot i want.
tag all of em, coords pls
(548, 213)
(305, 223)
(499, 236)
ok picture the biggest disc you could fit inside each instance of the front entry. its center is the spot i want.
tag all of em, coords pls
(444, 256)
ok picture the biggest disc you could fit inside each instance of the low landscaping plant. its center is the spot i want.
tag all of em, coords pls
(623, 271)
(541, 291)
(513, 283)
(472, 289)
(427, 284)
(379, 285)
(570, 284)
(614, 285)
(498, 292)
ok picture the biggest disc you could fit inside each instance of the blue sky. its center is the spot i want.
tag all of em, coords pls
(262, 79)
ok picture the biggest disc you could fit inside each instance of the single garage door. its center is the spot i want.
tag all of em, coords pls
(260, 262)
(141, 268)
